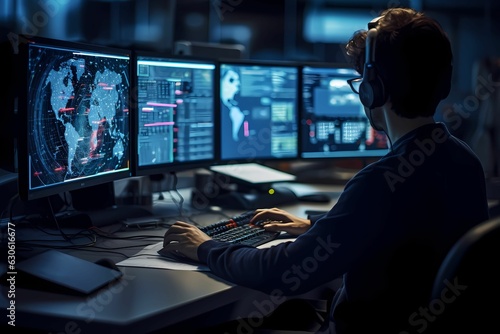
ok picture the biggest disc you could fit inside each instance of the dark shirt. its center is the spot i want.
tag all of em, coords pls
(386, 236)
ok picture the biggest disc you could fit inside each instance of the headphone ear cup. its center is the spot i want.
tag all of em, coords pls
(372, 93)
(366, 94)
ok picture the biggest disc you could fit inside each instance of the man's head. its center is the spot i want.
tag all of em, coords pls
(412, 58)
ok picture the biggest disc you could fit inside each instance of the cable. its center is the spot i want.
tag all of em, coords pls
(133, 237)
(174, 188)
(71, 238)
(55, 220)
(390, 141)
(10, 206)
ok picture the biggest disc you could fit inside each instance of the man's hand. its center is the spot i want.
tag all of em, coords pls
(183, 239)
(277, 220)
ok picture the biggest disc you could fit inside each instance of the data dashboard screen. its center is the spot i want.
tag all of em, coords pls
(333, 120)
(258, 111)
(175, 113)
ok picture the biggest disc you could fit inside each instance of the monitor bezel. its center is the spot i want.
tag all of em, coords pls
(175, 166)
(342, 155)
(21, 55)
(269, 63)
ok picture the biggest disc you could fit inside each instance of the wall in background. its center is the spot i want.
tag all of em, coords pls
(278, 29)
(290, 30)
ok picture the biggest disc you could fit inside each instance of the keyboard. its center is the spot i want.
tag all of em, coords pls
(238, 230)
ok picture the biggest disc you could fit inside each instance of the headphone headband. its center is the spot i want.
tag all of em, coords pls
(374, 23)
(371, 40)
(371, 92)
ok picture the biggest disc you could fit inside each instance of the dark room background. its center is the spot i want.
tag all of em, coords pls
(299, 30)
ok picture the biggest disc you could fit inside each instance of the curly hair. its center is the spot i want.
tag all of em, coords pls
(413, 59)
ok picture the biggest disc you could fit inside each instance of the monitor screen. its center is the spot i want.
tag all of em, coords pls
(333, 120)
(73, 106)
(175, 113)
(258, 111)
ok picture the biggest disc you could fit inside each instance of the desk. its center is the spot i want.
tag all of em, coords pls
(144, 299)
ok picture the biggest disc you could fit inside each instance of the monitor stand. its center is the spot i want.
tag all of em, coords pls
(227, 190)
(96, 206)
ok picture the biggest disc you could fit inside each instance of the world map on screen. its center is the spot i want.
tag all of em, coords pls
(78, 115)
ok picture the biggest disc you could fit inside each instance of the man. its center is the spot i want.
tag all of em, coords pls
(396, 218)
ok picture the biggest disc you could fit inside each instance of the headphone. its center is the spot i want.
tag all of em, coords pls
(371, 91)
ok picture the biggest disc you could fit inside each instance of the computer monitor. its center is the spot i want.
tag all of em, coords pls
(258, 123)
(259, 108)
(333, 120)
(70, 104)
(176, 112)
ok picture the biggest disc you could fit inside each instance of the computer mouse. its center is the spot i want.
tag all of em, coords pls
(164, 252)
(315, 197)
(177, 257)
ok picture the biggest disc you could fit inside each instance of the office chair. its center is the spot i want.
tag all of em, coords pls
(485, 140)
(466, 291)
